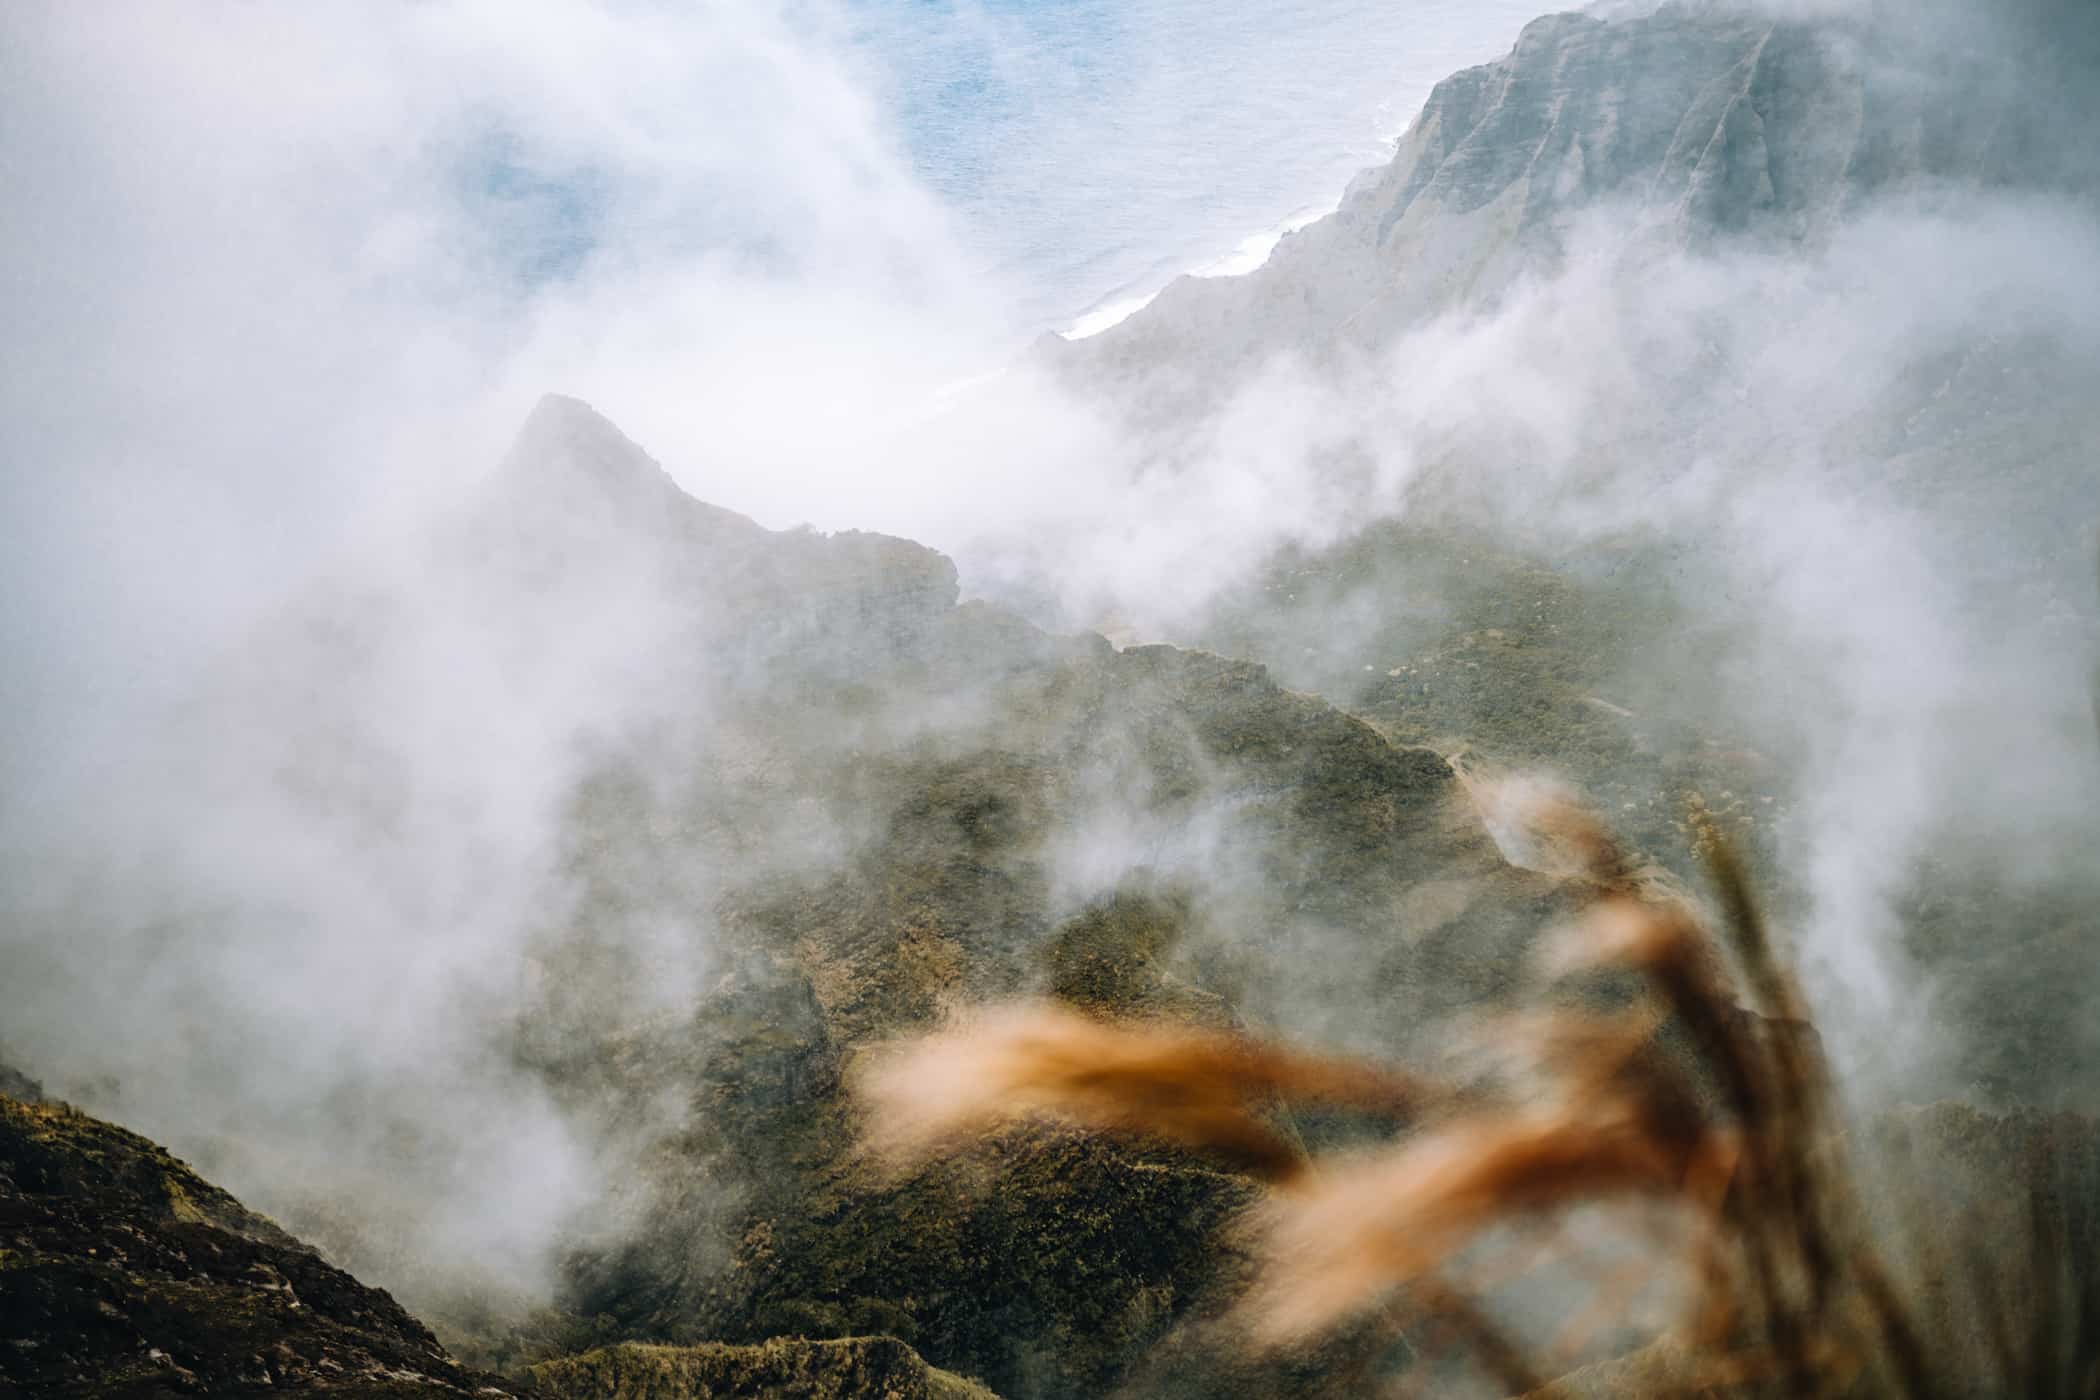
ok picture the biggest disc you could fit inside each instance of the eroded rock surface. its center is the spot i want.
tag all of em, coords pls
(124, 1273)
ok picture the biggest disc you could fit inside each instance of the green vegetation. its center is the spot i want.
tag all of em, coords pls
(861, 1368)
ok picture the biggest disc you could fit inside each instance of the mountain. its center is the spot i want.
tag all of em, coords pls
(826, 804)
(551, 878)
(1692, 123)
(979, 810)
(1146, 831)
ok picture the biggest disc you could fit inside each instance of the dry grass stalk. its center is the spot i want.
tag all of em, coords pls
(1734, 1137)
(1201, 1089)
(1396, 1217)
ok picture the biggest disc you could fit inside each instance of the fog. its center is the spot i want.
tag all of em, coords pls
(292, 741)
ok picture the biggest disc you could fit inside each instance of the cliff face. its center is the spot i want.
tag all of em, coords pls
(1692, 122)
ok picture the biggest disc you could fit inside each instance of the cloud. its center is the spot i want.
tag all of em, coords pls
(282, 284)
(284, 790)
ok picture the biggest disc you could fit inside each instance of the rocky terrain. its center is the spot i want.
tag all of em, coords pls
(1047, 1264)
(123, 1273)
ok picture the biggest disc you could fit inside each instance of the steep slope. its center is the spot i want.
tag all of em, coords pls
(123, 1273)
(579, 850)
(1694, 122)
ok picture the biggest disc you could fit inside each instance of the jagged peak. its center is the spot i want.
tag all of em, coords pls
(573, 474)
(564, 438)
(570, 460)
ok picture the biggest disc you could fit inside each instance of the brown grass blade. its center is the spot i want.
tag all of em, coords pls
(1721, 1117)
(1197, 1088)
(1354, 1234)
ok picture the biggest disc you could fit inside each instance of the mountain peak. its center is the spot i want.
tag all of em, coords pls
(566, 441)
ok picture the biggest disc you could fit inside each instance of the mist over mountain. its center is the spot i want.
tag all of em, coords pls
(1759, 330)
(492, 853)
(1698, 123)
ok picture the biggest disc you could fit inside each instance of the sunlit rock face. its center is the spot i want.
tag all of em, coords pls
(1705, 121)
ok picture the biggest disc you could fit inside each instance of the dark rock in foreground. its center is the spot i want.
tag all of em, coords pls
(124, 1273)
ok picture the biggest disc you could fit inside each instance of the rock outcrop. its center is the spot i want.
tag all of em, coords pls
(124, 1273)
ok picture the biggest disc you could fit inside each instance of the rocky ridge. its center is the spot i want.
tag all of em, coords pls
(124, 1273)
(1151, 831)
(864, 1368)
(1267, 856)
